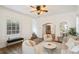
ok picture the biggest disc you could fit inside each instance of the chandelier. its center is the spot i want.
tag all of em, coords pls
(39, 9)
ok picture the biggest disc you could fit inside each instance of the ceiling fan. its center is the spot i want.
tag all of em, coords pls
(40, 9)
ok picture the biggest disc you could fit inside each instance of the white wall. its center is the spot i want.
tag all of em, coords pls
(24, 21)
(56, 20)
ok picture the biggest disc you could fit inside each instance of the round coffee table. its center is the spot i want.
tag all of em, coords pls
(49, 46)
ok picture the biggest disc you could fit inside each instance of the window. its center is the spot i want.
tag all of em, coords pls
(12, 27)
(77, 25)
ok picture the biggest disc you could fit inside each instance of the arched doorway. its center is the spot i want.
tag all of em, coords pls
(48, 28)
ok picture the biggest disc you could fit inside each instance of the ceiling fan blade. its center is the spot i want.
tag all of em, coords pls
(32, 6)
(43, 6)
(44, 10)
(41, 12)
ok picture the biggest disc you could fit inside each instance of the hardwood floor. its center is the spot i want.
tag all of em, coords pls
(12, 49)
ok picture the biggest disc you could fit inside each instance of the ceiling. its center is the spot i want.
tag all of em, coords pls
(52, 9)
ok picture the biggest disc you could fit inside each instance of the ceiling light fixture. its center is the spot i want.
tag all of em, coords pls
(40, 9)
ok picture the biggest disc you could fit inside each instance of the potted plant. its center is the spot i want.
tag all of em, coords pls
(72, 31)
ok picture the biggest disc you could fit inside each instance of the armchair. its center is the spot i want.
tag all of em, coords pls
(27, 48)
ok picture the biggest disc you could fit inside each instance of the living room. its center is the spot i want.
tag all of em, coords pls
(19, 22)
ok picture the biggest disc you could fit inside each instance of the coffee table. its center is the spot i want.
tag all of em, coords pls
(49, 46)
